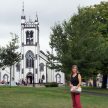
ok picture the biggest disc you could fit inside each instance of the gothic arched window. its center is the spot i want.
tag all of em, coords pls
(29, 37)
(29, 59)
(58, 78)
(41, 67)
(18, 67)
(5, 77)
(43, 77)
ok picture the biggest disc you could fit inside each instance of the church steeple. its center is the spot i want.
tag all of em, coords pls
(36, 19)
(23, 17)
(23, 8)
(30, 43)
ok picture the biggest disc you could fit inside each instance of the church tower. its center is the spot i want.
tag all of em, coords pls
(29, 49)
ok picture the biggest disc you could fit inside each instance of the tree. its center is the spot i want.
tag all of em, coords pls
(9, 55)
(1, 61)
(83, 40)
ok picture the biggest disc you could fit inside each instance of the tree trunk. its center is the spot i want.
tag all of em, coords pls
(104, 81)
(10, 75)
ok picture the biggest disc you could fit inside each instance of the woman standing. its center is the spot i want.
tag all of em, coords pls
(75, 83)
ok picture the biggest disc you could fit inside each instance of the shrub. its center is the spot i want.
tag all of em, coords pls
(52, 84)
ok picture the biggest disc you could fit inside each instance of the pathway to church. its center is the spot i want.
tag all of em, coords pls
(94, 93)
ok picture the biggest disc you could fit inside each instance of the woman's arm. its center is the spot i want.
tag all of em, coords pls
(70, 85)
(79, 78)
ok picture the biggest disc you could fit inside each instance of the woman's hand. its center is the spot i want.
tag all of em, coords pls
(73, 89)
(76, 87)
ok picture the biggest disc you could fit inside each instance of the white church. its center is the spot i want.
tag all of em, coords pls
(33, 67)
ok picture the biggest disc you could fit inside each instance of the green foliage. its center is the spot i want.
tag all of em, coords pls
(9, 54)
(83, 40)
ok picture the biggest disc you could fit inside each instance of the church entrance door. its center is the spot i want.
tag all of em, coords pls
(29, 78)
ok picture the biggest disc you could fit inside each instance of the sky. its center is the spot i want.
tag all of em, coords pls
(49, 13)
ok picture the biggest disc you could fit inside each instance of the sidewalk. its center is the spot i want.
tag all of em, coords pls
(94, 93)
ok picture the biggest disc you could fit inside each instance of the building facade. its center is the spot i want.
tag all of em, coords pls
(33, 67)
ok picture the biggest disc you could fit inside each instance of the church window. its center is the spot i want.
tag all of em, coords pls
(17, 67)
(58, 78)
(43, 77)
(41, 67)
(5, 77)
(29, 37)
(29, 59)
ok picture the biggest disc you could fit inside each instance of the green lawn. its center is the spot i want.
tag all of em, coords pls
(24, 97)
(97, 90)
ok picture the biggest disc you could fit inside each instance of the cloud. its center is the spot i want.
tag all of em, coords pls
(49, 11)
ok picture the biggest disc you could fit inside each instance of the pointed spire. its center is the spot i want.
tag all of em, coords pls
(36, 17)
(23, 17)
(23, 8)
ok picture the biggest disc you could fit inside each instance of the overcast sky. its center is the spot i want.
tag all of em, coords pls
(49, 12)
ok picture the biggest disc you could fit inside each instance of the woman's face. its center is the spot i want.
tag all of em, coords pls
(74, 70)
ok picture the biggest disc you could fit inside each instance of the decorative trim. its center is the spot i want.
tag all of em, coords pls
(29, 45)
(29, 27)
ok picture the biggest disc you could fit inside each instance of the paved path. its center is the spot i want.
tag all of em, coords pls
(94, 93)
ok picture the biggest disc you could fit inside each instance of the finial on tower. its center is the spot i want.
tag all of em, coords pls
(36, 17)
(23, 17)
(23, 7)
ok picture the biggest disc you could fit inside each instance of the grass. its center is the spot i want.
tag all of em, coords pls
(97, 90)
(24, 97)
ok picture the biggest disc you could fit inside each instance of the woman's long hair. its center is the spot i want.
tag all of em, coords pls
(74, 66)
